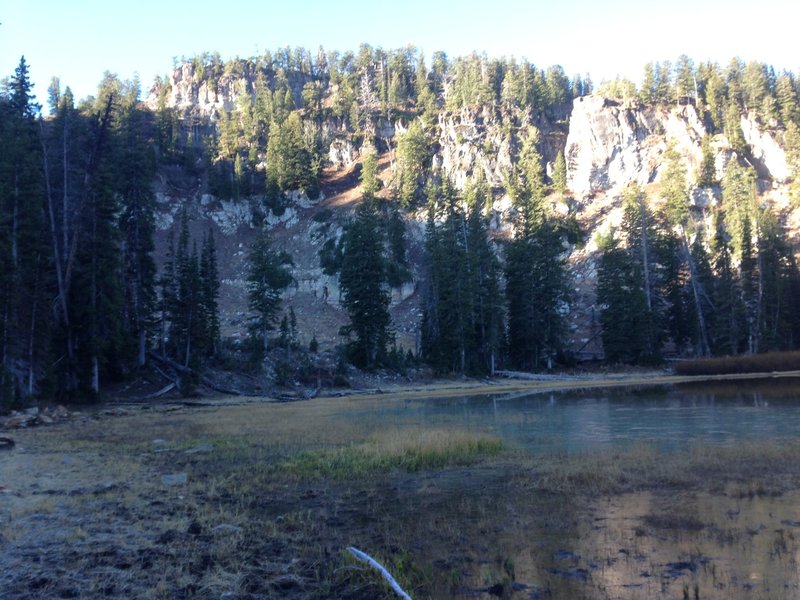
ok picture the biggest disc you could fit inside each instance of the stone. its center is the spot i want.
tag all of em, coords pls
(342, 153)
(172, 479)
(6, 443)
(202, 448)
(226, 529)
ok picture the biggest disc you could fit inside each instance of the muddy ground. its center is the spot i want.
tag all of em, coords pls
(170, 501)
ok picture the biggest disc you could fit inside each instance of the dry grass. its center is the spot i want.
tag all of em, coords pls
(770, 466)
(407, 450)
(752, 363)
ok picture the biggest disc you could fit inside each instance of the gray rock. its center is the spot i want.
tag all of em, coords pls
(226, 529)
(202, 448)
(175, 479)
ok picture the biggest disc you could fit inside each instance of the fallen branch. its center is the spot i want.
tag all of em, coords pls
(160, 392)
(208, 383)
(366, 558)
(187, 371)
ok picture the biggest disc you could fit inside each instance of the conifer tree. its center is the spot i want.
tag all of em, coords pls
(209, 295)
(364, 292)
(136, 169)
(625, 321)
(728, 317)
(443, 344)
(23, 248)
(676, 198)
(268, 275)
(412, 157)
(536, 292)
(707, 172)
(560, 175)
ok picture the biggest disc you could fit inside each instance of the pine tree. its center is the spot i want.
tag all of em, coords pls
(443, 336)
(676, 199)
(639, 235)
(412, 158)
(707, 172)
(364, 292)
(97, 289)
(483, 276)
(370, 184)
(136, 169)
(625, 320)
(560, 175)
(209, 295)
(728, 309)
(733, 129)
(24, 303)
(751, 292)
(536, 292)
(268, 275)
(397, 268)
(778, 276)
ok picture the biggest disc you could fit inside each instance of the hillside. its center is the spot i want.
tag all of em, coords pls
(526, 218)
(607, 143)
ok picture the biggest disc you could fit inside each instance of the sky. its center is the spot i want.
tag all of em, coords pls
(79, 41)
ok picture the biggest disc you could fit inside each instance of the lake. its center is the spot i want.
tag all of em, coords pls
(668, 417)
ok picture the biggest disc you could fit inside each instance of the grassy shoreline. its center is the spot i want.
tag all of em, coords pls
(445, 389)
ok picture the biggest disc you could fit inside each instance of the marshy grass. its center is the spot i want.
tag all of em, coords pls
(751, 363)
(769, 467)
(408, 450)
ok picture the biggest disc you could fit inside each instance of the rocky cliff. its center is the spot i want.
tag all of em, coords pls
(606, 146)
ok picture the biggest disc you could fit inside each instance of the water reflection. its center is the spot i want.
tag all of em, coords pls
(727, 539)
(667, 418)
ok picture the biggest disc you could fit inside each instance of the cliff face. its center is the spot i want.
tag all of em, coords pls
(606, 147)
(609, 146)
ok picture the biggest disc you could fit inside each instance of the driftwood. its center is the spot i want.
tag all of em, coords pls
(366, 558)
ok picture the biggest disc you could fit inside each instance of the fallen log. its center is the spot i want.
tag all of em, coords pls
(161, 392)
(208, 383)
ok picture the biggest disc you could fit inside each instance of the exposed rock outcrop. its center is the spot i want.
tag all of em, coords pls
(610, 146)
(768, 157)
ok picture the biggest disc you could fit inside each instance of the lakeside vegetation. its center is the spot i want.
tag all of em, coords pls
(754, 363)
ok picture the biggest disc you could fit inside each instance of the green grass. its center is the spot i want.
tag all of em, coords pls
(407, 450)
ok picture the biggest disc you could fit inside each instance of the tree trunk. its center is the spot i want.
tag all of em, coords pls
(95, 374)
(142, 348)
(645, 257)
(705, 349)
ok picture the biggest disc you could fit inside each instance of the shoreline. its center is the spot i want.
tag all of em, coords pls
(446, 389)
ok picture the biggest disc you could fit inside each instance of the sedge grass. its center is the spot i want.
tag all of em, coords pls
(408, 450)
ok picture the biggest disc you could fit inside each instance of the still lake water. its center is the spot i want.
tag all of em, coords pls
(668, 417)
(656, 543)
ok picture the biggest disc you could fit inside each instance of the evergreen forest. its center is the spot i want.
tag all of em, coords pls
(88, 298)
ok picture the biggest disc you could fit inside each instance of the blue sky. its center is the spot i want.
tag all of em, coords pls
(78, 41)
